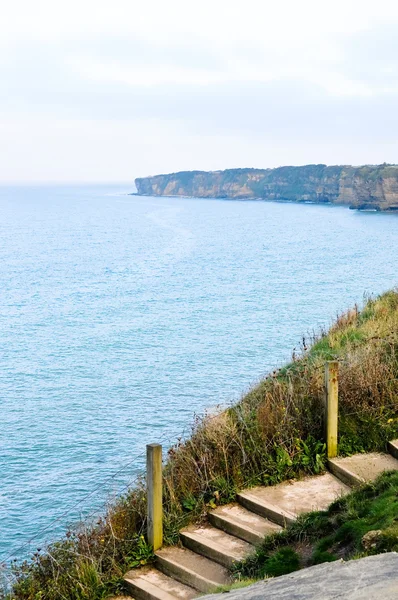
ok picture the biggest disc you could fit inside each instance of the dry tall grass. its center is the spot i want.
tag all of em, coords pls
(273, 433)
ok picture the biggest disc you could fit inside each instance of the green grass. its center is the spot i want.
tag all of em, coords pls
(333, 534)
(237, 585)
(274, 433)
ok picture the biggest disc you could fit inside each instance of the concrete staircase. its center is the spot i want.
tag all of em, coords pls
(202, 564)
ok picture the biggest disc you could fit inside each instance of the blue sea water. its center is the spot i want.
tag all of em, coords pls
(123, 316)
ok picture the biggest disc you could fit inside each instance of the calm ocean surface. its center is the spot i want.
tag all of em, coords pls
(123, 316)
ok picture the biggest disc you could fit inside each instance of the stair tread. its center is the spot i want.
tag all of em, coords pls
(366, 467)
(236, 514)
(292, 498)
(157, 585)
(393, 448)
(210, 536)
(195, 563)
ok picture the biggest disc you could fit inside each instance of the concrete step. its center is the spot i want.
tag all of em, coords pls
(215, 544)
(150, 584)
(393, 448)
(282, 503)
(356, 469)
(240, 522)
(192, 569)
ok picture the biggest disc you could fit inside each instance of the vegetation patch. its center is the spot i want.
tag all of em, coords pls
(360, 524)
(274, 433)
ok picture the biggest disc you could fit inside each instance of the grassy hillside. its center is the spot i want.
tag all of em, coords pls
(273, 433)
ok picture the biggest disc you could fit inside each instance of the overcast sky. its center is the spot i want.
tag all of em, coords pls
(107, 91)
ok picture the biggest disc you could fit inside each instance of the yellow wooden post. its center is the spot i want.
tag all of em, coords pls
(154, 495)
(331, 406)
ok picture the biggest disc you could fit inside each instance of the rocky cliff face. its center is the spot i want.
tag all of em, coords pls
(368, 187)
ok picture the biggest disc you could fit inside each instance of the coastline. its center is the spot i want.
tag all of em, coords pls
(365, 187)
(268, 200)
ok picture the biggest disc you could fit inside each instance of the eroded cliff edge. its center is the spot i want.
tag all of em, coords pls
(367, 187)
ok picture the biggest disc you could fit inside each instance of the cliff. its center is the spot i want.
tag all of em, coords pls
(367, 187)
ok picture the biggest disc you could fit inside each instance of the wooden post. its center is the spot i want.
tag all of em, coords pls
(331, 406)
(154, 495)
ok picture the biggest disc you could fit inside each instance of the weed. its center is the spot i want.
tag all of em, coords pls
(237, 585)
(283, 561)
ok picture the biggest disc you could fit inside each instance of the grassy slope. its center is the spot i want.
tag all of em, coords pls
(273, 433)
(333, 534)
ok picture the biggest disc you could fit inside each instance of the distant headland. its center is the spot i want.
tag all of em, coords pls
(369, 187)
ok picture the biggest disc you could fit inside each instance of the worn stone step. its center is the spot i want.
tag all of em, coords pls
(192, 569)
(242, 523)
(150, 584)
(282, 503)
(357, 469)
(393, 448)
(215, 544)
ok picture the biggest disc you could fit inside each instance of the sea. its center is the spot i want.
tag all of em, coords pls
(123, 318)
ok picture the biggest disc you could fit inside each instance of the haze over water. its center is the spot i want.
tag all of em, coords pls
(123, 316)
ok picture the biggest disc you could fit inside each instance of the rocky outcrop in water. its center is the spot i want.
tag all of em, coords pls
(370, 187)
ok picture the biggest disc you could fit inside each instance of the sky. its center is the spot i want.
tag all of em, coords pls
(94, 91)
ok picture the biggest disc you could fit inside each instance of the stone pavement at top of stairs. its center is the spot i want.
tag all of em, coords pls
(359, 468)
(370, 578)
